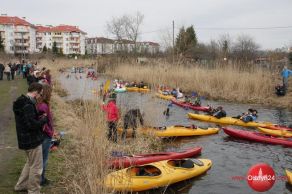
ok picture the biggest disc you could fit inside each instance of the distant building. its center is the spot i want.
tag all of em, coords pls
(100, 46)
(148, 47)
(70, 39)
(18, 35)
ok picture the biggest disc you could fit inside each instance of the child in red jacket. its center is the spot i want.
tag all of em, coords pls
(112, 118)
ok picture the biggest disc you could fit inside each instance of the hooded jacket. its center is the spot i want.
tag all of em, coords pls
(28, 124)
(112, 111)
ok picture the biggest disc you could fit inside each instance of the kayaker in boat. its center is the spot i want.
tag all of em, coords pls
(249, 111)
(251, 116)
(130, 121)
(174, 92)
(179, 94)
(220, 113)
(187, 99)
(141, 84)
(197, 101)
(112, 117)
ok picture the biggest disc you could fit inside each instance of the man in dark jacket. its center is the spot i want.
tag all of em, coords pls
(1, 71)
(130, 120)
(29, 125)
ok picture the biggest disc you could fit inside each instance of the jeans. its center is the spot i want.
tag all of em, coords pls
(285, 82)
(46, 149)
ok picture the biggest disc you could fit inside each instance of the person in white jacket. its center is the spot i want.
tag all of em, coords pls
(7, 71)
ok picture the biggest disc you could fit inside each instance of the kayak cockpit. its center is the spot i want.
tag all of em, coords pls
(147, 170)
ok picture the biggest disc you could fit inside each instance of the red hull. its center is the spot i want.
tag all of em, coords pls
(253, 136)
(187, 105)
(126, 161)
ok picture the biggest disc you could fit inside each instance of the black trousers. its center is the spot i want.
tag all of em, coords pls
(129, 123)
(112, 131)
(12, 75)
(8, 75)
(1, 75)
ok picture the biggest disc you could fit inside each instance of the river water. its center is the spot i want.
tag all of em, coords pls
(230, 157)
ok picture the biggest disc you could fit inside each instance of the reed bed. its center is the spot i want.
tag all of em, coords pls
(87, 149)
(229, 83)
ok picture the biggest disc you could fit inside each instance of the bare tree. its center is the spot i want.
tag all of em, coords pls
(116, 27)
(245, 48)
(126, 26)
(132, 27)
(224, 45)
(165, 37)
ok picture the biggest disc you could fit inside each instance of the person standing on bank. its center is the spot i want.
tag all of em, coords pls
(285, 74)
(29, 129)
(1, 71)
(130, 120)
(7, 71)
(43, 107)
(112, 117)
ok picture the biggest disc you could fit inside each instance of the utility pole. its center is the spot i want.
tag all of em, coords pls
(173, 41)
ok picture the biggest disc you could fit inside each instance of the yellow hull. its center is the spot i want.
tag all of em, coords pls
(165, 97)
(136, 89)
(226, 120)
(289, 176)
(175, 131)
(279, 133)
(126, 180)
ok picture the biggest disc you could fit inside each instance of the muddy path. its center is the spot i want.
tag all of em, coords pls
(9, 152)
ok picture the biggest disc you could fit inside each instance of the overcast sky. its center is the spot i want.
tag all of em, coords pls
(205, 15)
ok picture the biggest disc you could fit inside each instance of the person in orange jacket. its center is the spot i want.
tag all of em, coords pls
(112, 118)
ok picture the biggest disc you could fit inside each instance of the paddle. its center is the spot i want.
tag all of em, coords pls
(106, 86)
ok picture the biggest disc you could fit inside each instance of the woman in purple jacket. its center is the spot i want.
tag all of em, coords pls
(43, 107)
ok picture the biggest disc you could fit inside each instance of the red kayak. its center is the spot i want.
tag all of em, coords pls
(190, 106)
(278, 127)
(254, 136)
(126, 161)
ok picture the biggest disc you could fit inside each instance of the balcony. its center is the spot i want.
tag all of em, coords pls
(21, 51)
(75, 35)
(57, 35)
(21, 44)
(20, 37)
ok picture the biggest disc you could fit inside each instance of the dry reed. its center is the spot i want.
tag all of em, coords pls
(225, 82)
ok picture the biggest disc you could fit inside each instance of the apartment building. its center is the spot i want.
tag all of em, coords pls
(100, 45)
(69, 39)
(18, 35)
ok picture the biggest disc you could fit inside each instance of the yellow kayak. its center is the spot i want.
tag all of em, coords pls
(180, 131)
(226, 120)
(165, 97)
(289, 176)
(136, 89)
(274, 132)
(157, 174)
(175, 131)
